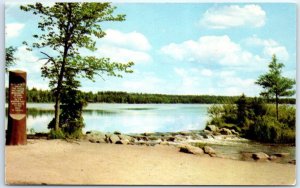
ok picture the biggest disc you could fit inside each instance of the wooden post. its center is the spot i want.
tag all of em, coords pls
(16, 129)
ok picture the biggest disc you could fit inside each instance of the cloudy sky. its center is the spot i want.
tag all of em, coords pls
(181, 48)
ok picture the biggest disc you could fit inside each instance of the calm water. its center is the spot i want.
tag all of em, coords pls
(140, 118)
(128, 118)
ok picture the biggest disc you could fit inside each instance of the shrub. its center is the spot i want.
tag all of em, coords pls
(56, 134)
(268, 129)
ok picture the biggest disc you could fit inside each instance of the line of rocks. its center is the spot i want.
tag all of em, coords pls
(181, 140)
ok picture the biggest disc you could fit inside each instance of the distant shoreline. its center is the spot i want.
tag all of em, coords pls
(46, 96)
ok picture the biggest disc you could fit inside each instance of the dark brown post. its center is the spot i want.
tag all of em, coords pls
(16, 129)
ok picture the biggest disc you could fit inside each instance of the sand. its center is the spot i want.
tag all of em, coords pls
(60, 162)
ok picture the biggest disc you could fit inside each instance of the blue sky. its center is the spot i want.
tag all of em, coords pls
(179, 48)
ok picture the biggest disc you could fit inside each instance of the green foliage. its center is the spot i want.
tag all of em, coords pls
(46, 96)
(67, 28)
(268, 129)
(256, 120)
(10, 58)
(274, 84)
(56, 134)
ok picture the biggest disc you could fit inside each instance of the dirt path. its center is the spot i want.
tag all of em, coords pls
(60, 162)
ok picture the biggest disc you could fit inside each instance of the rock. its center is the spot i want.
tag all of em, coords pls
(184, 133)
(234, 132)
(147, 134)
(225, 131)
(272, 158)
(164, 143)
(117, 133)
(213, 155)
(113, 138)
(124, 142)
(260, 156)
(208, 150)
(96, 137)
(281, 154)
(207, 132)
(191, 149)
(292, 162)
(212, 128)
(126, 137)
(171, 139)
(88, 132)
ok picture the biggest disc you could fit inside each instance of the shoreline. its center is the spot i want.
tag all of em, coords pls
(225, 145)
(57, 162)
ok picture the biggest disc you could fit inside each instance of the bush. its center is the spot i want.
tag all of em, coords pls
(256, 120)
(268, 129)
(56, 134)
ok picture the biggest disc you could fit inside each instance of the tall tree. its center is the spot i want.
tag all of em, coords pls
(10, 58)
(274, 84)
(65, 29)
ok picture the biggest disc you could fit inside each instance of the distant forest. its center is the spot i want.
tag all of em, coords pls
(46, 96)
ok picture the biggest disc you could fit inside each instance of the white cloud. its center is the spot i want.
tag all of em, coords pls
(123, 55)
(27, 61)
(206, 72)
(234, 16)
(270, 47)
(132, 40)
(223, 82)
(13, 29)
(124, 47)
(212, 49)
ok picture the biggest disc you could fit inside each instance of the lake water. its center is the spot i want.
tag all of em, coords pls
(127, 118)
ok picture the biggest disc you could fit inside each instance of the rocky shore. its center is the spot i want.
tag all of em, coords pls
(197, 142)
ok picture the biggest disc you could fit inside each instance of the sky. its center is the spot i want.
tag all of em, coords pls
(178, 48)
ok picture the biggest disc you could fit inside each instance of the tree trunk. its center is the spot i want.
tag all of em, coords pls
(62, 69)
(277, 106)
(57, 112)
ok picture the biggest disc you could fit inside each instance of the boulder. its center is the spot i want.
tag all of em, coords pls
(272, 158)
(207, 132)
(126, 137)
(124, 142)
(113, 138)
(234, 132)
(171, 139)
(191, 149)
(212, 128)
(281, 154)
(260, 156)
(164, 143)
(184, 133)
(292, 162)
(96, 137)
(225, 131)
(208, 150)
(117, 132)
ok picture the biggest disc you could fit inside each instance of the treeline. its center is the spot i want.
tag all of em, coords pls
(46, 96)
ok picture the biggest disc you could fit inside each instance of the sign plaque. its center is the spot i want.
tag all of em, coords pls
(16, 129)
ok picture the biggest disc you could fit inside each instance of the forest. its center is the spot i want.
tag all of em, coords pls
(46, 96)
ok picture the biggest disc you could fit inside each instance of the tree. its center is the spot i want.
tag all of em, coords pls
(10, 59)
(66, 29)
(274, 84)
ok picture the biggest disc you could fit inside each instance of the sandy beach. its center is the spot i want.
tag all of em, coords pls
(60, 162)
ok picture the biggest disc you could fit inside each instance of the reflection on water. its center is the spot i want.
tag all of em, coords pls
(127, 118)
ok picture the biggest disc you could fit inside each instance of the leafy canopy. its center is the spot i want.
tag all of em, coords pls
(10, 58)
(67, 28)
(274, 84)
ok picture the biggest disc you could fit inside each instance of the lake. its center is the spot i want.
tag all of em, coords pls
(127, 118)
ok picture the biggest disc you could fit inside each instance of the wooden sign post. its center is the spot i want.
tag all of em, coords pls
(16, 129)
